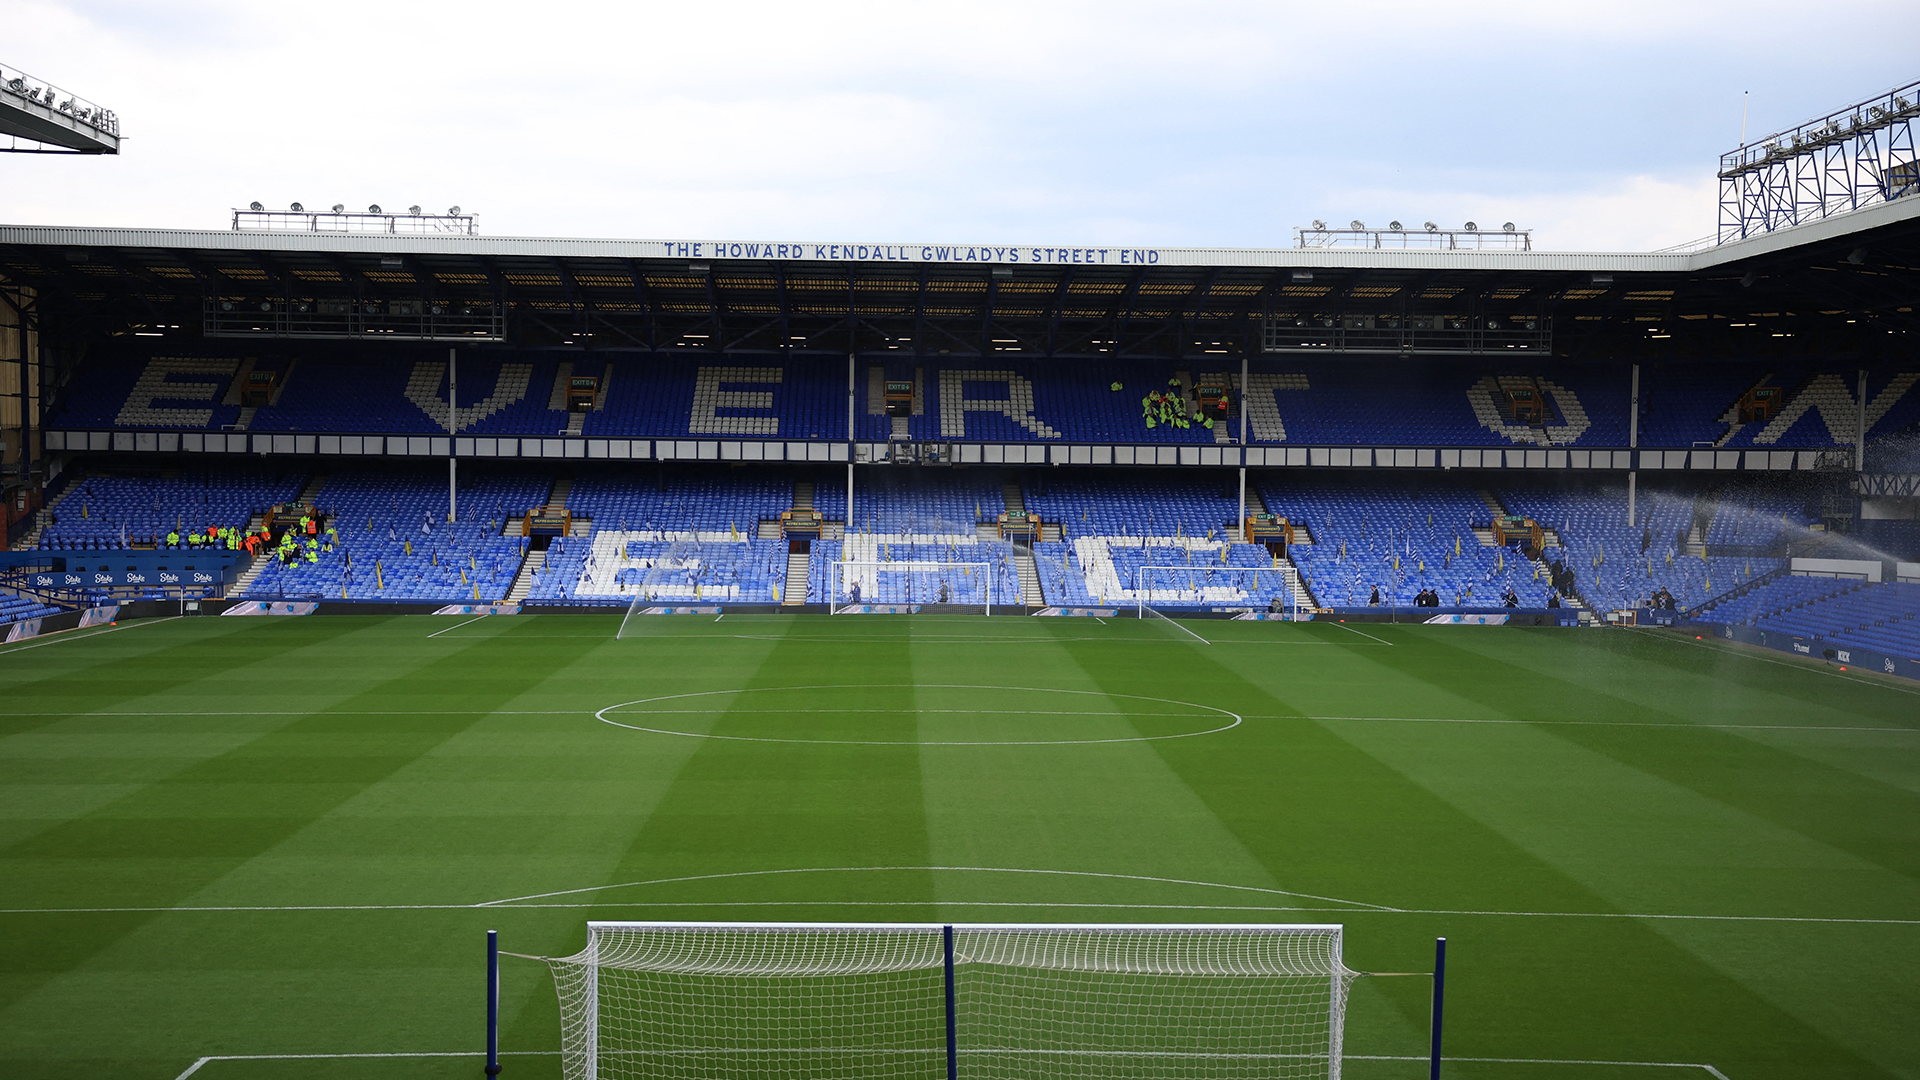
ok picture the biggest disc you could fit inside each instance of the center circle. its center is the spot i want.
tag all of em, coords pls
(991, 715)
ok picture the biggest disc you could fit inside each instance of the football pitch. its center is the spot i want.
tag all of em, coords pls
(270, 847)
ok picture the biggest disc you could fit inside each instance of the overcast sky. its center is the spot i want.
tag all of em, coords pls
(1597, 125)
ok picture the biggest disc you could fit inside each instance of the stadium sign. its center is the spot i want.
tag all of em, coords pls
(914, 253)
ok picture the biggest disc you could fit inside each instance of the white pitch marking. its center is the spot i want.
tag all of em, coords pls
(457, 626)
(88, 637)
(195, 1067)
(1587, 723)
(1237, 719)
(1062, 905)
(1362, 633)
(959, 869)
(1709, 1069)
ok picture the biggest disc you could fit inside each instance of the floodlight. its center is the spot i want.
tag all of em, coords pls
(1318, 224)
(1471, 227)
(1395, 226)
(415, 211)
(1431, 227)
(1357, 224)
(255, 206)
(296, 208)
(453, 211)
(374, 209)
(339, 208)
(1507, 227)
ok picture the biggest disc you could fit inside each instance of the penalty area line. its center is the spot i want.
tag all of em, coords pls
(210, 1058)
(1362, 633)
(458, 625)
(90, 637)
(201, 1063)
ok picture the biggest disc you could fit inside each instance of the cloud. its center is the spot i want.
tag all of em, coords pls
(1004, 120)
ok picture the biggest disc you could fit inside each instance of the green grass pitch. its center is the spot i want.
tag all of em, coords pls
(242, 837)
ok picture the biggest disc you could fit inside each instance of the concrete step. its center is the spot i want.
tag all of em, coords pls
(793, 591)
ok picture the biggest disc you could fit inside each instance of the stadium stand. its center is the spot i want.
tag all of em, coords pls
(106, 512)
(15, 609)
(402, 389)
(395, 543)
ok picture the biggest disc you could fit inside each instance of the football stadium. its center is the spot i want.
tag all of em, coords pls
(1407, 652)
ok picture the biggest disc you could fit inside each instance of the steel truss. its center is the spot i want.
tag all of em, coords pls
(1841, 162)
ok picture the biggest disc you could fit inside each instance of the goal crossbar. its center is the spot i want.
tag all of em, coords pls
(1007, 1001)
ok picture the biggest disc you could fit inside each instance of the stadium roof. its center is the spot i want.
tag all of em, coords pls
(1844, 284)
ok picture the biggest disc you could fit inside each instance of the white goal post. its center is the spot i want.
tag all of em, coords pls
(914, 1001)
(1217, 586)
(910, 581)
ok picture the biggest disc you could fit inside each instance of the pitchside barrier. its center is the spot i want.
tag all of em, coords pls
(1816, 649)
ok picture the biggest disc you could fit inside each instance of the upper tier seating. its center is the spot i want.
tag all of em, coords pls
(399, 389)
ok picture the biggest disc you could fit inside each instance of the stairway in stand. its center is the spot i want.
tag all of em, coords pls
(799, 567)
(523, 581)
(1031, 594)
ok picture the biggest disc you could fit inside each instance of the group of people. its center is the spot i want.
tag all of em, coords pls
(304, 540)
(1168, 407)
(1430, 597)
(1661, 599)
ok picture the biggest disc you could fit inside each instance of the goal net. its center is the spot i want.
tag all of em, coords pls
(1198, 587)
(860, 585)
(836, 1001)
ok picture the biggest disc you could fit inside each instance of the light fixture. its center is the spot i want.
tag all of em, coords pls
(391, 260)
(1471, 227)
(453, 211)
(699, 268)
(1357, 224)
(296, 208)
(374, 209)
(415, 211)
(1507, 227)
(1431, 227)
(255, 206)
(1395, 226)
(1318, 224)
(1857, 256)
(1003, 271)
(1602, 279)
(1302, 275)
(339, 208)
(1747, 281)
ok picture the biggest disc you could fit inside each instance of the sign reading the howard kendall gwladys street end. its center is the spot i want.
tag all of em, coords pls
(915, 253)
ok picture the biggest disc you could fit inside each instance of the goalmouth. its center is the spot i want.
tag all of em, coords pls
(870, 587)
(916, 1001)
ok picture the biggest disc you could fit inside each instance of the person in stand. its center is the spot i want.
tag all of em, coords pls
(1511, 599)
(1374, 600)
(1553, 598)
(856, 592)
